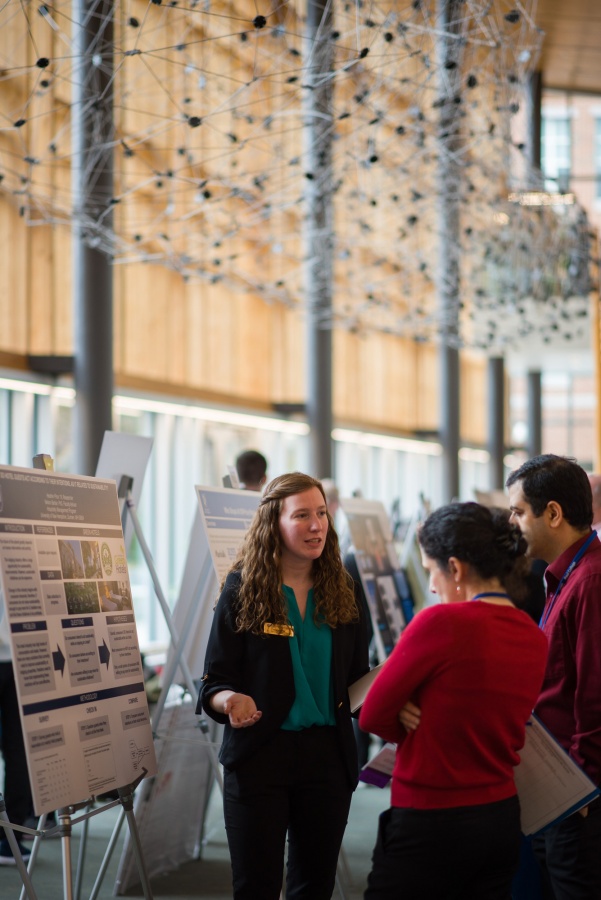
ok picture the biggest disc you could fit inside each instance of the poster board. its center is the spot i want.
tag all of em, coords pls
(219, 527)
(178, 800)
(378, 563)
(411, 562)
(125, 454)
(68, 605)
(171, 813)
(226, 516)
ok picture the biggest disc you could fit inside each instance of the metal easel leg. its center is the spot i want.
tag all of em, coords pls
(64, 821)
(8, 831)
(34, 849)
(126, 798)
(107, 855)
(81, 856)
(126, 795)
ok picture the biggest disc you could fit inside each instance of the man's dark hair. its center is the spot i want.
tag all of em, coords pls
(251, 467)
(559, 478)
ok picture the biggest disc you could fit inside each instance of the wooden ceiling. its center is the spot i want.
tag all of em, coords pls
(571, 54)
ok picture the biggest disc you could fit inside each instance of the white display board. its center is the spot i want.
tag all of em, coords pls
(218, 530)
(170, 817)
(125, 454)
(73, 634)
(226, 515)
(379, 567)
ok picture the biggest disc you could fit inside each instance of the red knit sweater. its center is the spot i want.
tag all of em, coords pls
(475, 670)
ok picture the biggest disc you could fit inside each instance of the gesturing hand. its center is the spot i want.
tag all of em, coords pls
(242, 710)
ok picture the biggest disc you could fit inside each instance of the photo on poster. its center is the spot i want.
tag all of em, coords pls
(82, 597)
(378, 565)
(115, 596)
(90, 552)
(71, 559)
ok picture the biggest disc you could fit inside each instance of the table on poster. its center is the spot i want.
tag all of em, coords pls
(73, 635)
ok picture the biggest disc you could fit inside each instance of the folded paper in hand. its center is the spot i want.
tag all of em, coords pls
(357, 692)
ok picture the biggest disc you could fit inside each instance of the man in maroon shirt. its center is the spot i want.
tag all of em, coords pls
(551, 502)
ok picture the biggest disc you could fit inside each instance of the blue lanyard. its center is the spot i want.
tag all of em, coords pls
(565, 577)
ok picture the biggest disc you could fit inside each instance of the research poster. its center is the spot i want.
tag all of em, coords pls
(68, 606)
(226, 515)
(383, 581)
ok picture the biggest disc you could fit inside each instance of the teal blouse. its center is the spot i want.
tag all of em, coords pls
(311, 650)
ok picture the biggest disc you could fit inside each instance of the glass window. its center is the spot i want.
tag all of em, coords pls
(597, 159)
(556, 152)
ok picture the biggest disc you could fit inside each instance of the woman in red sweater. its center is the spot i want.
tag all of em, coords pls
(470, 669)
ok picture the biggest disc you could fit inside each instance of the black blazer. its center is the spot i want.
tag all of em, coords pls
(261, 666)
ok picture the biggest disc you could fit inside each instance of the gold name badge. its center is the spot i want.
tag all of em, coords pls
(282, 630)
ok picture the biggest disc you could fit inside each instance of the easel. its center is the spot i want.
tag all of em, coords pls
(129, 509)
(64, 828)
(12, 841)
(176, 660)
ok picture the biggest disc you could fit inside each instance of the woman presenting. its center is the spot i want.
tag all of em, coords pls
(286, 642)
(470, 670)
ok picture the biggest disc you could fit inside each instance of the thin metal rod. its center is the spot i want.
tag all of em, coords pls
(108, 854)
(127, 799)
(12, 842)
(64, 820)
(81, 856)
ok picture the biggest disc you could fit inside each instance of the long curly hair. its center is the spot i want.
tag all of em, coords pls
(260, 597)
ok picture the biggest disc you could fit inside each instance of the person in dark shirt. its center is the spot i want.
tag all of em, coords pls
(251, 467)
(287, 641)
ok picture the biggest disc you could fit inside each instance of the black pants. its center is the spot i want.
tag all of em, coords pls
(298, 785)
(465, 853)
(569, 855)
(17, 792)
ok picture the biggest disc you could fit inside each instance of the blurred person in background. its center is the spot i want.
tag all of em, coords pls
(251, 467)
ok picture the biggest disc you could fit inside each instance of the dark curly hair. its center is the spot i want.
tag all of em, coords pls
(260, 597)
(481, 536)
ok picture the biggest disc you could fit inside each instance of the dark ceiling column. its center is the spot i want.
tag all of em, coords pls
(449, 184)
(92, 173)
(318, 232)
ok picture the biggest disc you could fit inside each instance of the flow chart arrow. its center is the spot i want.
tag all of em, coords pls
(104, 653)
(58, 660)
